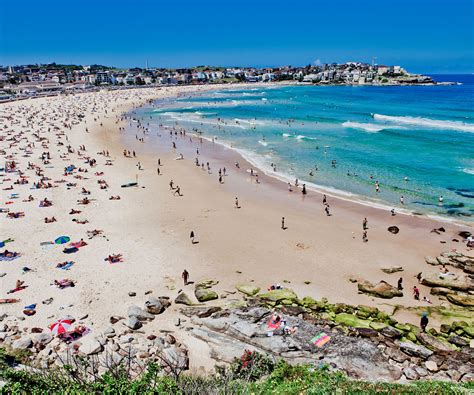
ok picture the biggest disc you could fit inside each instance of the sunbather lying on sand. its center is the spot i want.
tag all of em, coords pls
(49, 220)
(114, 258)
(84, 201)
(93, 233)
(18, 214)
(45, 203)
(9, 254)
(82, 221)
(114, 197)
(64, 283)
(73, 335)
(18, 287)
(75, 211)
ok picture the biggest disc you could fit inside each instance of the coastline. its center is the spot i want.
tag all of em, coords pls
(150, 227)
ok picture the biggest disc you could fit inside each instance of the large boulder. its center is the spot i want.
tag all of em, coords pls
(142, 315)
(133, 323)
(205, 295)
(22, 343)
(154, 306)
(415, 350)
(392, 269)
(382, 289)
(351, 320)
(457, 282)
(90, 345)
(206, 283)
(279, 295)
(248, 290)
(435, 344)
(461, 300)
(182, 298)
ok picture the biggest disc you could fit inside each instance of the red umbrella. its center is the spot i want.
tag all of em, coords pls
(60, 326)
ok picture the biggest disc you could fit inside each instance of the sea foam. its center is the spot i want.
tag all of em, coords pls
(426, 122)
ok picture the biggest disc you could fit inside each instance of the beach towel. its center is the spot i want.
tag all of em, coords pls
(320, 340)
(272, 325)
(8, 258)
(70, 250)
(67, 266)
(31, 307)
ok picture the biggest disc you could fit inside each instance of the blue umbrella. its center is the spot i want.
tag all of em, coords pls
(62, 240)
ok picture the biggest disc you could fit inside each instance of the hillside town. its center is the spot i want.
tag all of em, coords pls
(40, 79)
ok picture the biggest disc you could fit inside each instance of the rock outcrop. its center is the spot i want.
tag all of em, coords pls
(382, 289)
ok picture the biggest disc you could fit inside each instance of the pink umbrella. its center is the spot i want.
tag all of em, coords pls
(60, 326)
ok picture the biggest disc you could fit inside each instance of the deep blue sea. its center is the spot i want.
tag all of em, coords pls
(416, 141)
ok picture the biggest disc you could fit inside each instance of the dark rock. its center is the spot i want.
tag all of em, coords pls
(410, 373)
(382, 289)
(458, 341)
(415, 350)
(464, 234)
(393, 229)
(434, 344)
(366, 332)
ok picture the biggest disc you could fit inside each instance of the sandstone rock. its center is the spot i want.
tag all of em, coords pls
(441, 291)
(90, 346)
(431, 366)
(248, 290)
(133, 323)
(443, 260)
(182, 298)
(391, 332)
(461, 300)
(457, 282)
(422, 372)
(381, 290)
(207, 311)
(142, 315)
(154, 306)
(392, 269)
(109, 332)
(205, 294)
(22, 343)
(351, 320)
(396, 355)
(206, 284)
(114, 319)
(431, 261)
(415, 350)
(434, 344)
(410, 373)
(279, 295)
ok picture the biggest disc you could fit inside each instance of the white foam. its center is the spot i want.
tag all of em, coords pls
(264, 143)
(468, 171)
(426, 122)
(368, 127)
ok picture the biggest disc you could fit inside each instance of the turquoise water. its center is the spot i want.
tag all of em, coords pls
(416, 141)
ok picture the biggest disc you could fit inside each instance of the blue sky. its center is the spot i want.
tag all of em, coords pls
(422, 35)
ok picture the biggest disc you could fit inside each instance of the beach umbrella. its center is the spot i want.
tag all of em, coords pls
(62, 240)
(60, 326)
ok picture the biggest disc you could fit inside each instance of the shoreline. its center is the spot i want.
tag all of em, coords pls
(340, 194)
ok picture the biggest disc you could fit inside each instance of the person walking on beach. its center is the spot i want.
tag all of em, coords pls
(400, 284)
(418, 277)
(289, 188)
(220, 180)
(365, 239)
(416, 292)
(402, 200)
(191, 236)
(283, 223)
(185, 277)
(171, 184)
(303, 191)
(424, 322)
(177, 191)
(326, 209)
(158, 171)
(364, 224)
(159, 162)
(237, 203)
(324, 199)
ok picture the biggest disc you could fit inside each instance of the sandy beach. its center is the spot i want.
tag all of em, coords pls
(150, 225)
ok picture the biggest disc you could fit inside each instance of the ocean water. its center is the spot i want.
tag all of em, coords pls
(416, 141)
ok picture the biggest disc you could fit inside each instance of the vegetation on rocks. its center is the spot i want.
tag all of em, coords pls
(253, 373)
